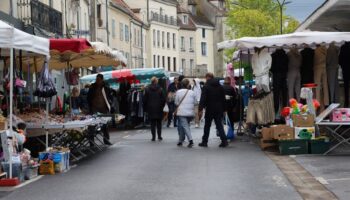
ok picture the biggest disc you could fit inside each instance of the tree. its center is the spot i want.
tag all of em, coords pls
(255, 18)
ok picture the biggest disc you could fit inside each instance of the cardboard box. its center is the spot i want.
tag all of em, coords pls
(267, 133)
(305, 132)
(264, 144)
(293, 147)
(341, 115)
(283, 132)
(303, 120)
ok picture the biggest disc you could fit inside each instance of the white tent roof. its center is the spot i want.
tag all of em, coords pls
(286, 40)
(11, 37)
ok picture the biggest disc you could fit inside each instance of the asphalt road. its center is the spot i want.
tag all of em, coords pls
(137, 169)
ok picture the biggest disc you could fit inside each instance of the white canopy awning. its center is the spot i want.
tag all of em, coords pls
(286, 40)
(11, 37)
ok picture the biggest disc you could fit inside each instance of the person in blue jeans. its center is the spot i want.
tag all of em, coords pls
(185, 100)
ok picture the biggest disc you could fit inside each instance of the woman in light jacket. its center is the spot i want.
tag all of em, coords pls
(185, 101)
(198, 92)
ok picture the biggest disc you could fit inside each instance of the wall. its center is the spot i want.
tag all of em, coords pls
(209, 58)
(186, 53)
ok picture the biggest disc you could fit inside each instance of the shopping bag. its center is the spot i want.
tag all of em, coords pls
(229, 129)
(166, 108)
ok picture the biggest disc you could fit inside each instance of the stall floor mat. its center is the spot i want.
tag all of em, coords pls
(9, 182)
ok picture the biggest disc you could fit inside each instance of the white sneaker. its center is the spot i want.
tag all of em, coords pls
(196, 126)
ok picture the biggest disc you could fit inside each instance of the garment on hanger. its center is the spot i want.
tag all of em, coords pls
(344, 61)
(294, 78)
(307, 66)
(279, 68)
(332, 72)
(259, 110)
(320, 74)
(261, 64)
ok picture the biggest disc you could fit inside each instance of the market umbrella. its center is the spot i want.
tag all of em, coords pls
(140, 74)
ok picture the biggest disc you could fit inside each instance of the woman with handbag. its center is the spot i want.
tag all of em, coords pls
(185, 100)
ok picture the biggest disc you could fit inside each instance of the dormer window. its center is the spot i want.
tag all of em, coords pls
(185, 19)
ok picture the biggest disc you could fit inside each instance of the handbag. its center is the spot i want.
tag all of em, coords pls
(229, 129)
(166, 108)
(177, 108)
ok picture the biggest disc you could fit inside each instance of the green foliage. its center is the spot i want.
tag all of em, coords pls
(255, 18)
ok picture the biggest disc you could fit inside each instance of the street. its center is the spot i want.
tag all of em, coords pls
(135, 168)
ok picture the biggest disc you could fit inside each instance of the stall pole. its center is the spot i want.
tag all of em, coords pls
(46, 119)
(11, 110)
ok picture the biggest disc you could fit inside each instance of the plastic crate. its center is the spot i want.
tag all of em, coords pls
(17, 170)
(293, 147)
(318, 146)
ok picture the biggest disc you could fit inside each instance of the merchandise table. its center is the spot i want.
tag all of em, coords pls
(339, 132)
(78, 135)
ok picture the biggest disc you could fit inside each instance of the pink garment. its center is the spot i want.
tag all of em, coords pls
(230, 71)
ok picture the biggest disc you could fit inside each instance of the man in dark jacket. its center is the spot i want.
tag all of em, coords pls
(213, 101)
(154, 102)
(99, 101)
(230, 99)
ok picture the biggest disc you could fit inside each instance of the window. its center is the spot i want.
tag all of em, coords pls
(126, 33)
(174, 64)
(158, 62)
(158, 38)
(191, 44)
(191, 65)
(183, 64)
(169, 63)
(204, 48)
(99, 18)
(121, 26)
(154, 37)
(138, 38)
(127, 57)
(168, 40)
(135, 38)
(154, 60)
(163, 59)
(174, 41)
(163, 38)
(185, 19)
(203, 32)
(182, 43)
(51, 3)
(161, 11)
(113, 28)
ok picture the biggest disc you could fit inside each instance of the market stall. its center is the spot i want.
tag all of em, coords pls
(313, 69)
(12, 39)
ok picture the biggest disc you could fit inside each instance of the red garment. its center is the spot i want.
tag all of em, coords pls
(75, 45)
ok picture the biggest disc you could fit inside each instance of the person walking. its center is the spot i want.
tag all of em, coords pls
(213, 101)
(230, 100)
(74, 101)
(83, 96)
(197, 91)
(154, 102)
(172, 89)
(99, 102)
(185, 101)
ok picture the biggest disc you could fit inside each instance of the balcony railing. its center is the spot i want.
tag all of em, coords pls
(163, 19)
(35, 13)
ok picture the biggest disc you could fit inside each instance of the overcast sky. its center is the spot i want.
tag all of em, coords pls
(301, 9)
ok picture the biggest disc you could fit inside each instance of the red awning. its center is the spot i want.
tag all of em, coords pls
(74, 45)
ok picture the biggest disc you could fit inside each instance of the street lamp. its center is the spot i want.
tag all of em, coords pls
(281, 4)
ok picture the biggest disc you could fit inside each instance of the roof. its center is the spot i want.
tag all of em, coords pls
(120, 4)
(190, 26)
(201, 20)
(332, 15)
(192, 2)
(180, 9)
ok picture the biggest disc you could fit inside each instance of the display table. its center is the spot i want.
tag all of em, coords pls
(338, 131)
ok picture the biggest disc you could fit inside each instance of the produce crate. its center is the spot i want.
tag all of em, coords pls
(319, 146)
(293, 147)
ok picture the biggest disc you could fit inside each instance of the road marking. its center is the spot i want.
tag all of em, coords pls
(339, 179)
(279, 181)
(126, 136)
(10, 189)
(322, 180)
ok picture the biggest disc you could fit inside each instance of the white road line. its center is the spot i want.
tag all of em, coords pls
(10, 189)
(322, 180)
(126, 136)
(339, 179)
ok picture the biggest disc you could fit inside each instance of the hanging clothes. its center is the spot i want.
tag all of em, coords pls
(320, 74)
(259, 110)
(332, 72)
(261, 64)
(307, 66)
(294, 78)
(344, 61)
(230, 72)
(279, 68)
